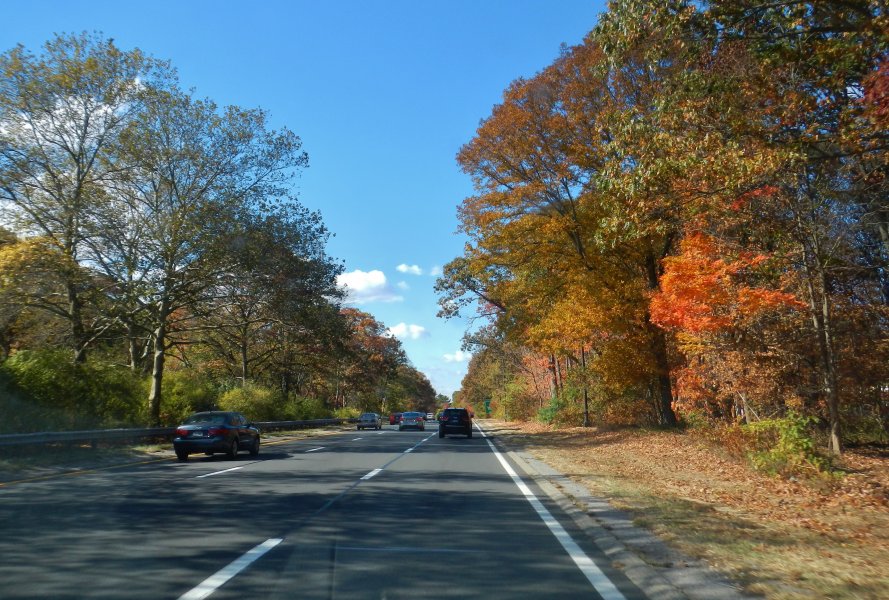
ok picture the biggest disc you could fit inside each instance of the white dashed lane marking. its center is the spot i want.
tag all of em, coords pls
(218, 579)
(218, 472)
(371, 474)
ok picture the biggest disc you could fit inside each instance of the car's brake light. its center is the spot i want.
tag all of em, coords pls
(182, 432)
(216, 431)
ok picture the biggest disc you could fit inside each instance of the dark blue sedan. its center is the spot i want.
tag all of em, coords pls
(216, 431)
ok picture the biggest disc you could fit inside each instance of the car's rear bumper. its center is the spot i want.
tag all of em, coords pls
(447, 428)
(197, 445)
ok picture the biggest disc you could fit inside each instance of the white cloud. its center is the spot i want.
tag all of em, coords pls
(363, 287)
(446, 379)
(458, 356)
(402, 285)
(435, 271)
(405, 331)
(412, 269)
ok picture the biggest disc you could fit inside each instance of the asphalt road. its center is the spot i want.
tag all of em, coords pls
(370, 514)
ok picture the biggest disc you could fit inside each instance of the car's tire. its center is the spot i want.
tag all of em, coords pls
(254, 449)
(232, 451)
(469, 433)
(441, 433)
(358, 428)
(182, 455)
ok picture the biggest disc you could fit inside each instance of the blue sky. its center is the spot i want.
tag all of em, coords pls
(383, 95)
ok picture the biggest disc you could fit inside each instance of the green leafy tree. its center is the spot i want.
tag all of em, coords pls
(61, 113)
(194, 171)
(284, 280)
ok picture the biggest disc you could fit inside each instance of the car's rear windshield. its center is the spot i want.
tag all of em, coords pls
(205, 418)
(368, 416)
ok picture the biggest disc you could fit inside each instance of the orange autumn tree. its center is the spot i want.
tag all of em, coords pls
(757, 124)
(553, 238)
(717, 304)
(701, 290)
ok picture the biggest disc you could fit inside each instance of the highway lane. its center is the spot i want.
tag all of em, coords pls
(375, 514)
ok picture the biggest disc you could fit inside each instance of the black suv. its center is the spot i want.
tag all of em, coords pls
(455, 420)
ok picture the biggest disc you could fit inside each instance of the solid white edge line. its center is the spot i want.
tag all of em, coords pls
(371, 474)
(218, 472)
(604, 586)
(215, 581)
(315, 449)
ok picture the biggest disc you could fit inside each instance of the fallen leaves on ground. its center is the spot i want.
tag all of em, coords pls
(793, 527)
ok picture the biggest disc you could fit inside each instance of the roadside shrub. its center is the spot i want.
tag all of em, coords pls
(606, 406)
(57, 394)
(185, 392)
(346, 413)
(782, 446)
(864, 426)
(513, 401)
(548, 413)
(256, 402)
(785, 446)
(693, 419)
(304, 409)
(19, 415)
(117, 394)
(735, 440)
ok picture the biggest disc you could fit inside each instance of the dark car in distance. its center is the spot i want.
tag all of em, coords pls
(216, 432)
(455, 420)
(369, 421)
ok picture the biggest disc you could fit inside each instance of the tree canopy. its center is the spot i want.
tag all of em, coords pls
(155, 231)
(688, 209)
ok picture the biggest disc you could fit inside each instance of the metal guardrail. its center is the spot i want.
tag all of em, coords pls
(96, 435)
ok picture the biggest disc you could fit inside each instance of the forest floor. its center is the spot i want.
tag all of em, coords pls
(812, 537)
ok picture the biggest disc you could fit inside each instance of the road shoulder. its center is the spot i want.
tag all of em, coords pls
(657, 569)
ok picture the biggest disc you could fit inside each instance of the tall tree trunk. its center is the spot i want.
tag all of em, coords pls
(244, 363)
(285, 384)
(132, 347)
(75, 314)
(586, 397)
(820, 307)
(659, 348)
(882, 226)
(157, 364)
(664, 385)
(818, 287)
(553, 377)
